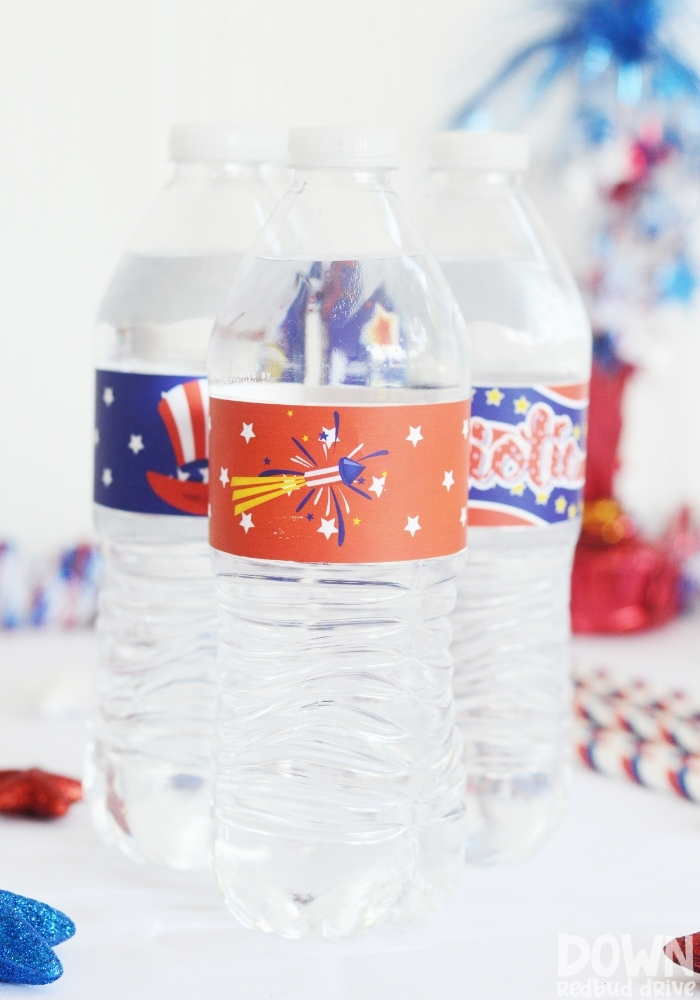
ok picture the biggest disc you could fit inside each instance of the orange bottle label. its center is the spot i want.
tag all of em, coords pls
(352, 484)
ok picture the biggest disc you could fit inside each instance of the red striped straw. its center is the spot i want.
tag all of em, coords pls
(634, 730)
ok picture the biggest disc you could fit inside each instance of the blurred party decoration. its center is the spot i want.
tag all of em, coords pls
(609, 376)
(623, 582)
(59, 589)
(37, 793)
(632, 730)
(29, 930)
(623, 117)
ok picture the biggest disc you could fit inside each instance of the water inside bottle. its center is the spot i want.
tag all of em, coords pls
(148, 763)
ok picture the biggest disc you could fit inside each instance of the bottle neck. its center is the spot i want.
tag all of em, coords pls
(196, 172)
(207, 208)
(379, 178)
(477, 182)
(478, 215)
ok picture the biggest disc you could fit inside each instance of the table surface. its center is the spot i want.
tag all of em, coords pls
(623, 861)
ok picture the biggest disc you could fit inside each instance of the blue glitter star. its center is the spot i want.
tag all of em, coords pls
(361, 480)
(266, 461)
(309, 517)
(322, 436)
(28, 929)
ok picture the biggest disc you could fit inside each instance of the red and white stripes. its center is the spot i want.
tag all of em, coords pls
(185, 412)
(636, 731)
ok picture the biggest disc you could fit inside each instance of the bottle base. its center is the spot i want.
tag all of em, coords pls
(509, 819)
(152, 810)
(305, 889)
(438, 861)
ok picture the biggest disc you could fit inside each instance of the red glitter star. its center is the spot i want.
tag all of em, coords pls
(685, 951)
(37, 793)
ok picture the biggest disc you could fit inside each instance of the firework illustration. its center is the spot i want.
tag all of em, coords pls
(320, 479)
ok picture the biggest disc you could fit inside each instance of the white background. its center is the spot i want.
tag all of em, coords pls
(622, 862)
(88, 90)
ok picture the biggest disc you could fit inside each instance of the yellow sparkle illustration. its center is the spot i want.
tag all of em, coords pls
(572, 511)
(518, 490)
(541, 498)
(560, 505)
(577, 432)
(355, 520)
(250, 491)
(521, 405)
(385, 473)
(305, 437)
(290, 413)
(494, 397)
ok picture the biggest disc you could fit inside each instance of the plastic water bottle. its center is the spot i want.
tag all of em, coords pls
(148, 762)
(339, 376)
(531, 361)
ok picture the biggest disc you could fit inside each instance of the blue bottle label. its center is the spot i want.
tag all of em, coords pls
(527, 454)
(152, 443)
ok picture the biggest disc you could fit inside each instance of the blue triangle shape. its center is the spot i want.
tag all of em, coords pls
(349, 470)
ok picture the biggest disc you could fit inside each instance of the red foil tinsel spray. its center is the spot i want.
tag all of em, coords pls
(621, 581)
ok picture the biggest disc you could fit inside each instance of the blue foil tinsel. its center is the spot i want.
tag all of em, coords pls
(631, 135)
(592, 35)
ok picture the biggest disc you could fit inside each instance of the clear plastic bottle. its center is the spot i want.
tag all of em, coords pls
(531, 347)
(339, 375)
(148, 760)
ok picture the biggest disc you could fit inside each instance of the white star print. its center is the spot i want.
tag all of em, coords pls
(136, 443)
(247, 432)
(414, 435)
(465, 429)
(463, 516)
(182, 476)
(330, 437)
(413, 526)
(328, 528)
(107, 477)
(377, 485)
(449, 480)
(108, 396)
(204, 473)
(223, 478)
(246, 522)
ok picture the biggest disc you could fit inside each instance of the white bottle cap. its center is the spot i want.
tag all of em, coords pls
(343, 147)
(204, 142)
(463, 150)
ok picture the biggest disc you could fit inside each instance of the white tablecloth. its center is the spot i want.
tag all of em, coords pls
(624, 861)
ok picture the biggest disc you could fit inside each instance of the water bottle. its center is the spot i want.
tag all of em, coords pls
(148, 761)
(531, 361)
(339, 379)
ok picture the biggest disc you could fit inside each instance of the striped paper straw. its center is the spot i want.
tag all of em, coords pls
(653, 764)
(638, 731)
